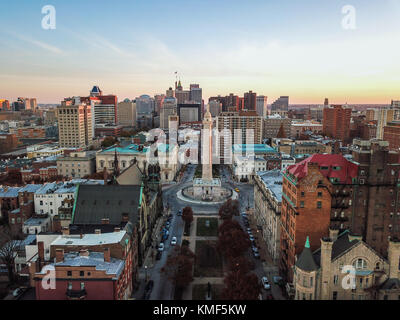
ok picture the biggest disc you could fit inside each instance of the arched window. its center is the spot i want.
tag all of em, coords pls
(360, 264)
(102, 164)
(377, 266)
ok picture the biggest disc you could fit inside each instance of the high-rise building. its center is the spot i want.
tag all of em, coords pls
(74, 124)
(170, 93)
(4, 105)
(196, 93)
(104, 107)
(281, 103)
(250, 100)
(168, 109)
(158, 100)
(189, 112)
(383, 116)
(243, 127)
(262, 106)
(215, 108)
(336, 122)
(127, 113)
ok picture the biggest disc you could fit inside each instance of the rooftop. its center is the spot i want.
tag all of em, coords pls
(252, 148)
(90, 239)
(273, 181)
(331, 166)
(95, 259)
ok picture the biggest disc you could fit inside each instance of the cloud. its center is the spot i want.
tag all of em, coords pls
(39, 44)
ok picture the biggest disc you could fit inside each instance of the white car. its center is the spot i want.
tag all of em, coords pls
(173, 241)
(161, 247)
(265, 283)
(251, 238)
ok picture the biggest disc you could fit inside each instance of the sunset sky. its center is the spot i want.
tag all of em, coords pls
(273, 47)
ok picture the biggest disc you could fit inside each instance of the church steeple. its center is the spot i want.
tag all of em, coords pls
(116, 165)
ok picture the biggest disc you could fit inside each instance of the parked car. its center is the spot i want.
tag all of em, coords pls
(161, 247)
(265, 283)
(17, 292)
(249, 230)
(254, 248)
(173, 241)
(277, 279)
(256, 255)
(159, 254)
(179, 213)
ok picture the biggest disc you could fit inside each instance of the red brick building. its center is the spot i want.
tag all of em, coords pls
(8, 142)
(392, 135)
(336, 122)
(308, 199)
(100, 266)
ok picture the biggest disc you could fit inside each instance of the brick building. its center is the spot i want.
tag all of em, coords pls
(8, 142)
(308, 198)
(336, 122)
(392, 135)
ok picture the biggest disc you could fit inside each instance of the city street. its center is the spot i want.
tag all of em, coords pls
(163, 290)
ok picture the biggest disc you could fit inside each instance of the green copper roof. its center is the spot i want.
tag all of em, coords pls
(307, 243)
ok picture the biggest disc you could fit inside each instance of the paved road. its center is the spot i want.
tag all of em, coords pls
(163, 289)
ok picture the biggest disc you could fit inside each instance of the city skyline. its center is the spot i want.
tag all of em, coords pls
(295, 49)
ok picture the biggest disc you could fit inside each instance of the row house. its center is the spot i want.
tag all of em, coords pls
(267, 205)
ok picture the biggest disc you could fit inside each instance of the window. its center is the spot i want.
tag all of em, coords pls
(335, 279)
(319, 204)
(360, 264)
(82, 286)
(311, 282)
(319, 194)
(69, 273)
(334, 297)
(301, 204)
(81, 273)
(69, 285)
(302, 194)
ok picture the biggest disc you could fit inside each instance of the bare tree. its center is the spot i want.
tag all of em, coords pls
(9, 245)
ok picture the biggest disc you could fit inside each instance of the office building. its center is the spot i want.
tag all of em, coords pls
(75, 124)
(262, 106)
(127, 113)
(272, 125)
(168, 108)
(336, 123)
(281, 103)
(189, 112)
(250, 101)
(243, 127)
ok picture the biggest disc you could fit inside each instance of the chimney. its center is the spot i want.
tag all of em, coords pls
(333, 234)
(84, 253)
(107, 255)
(105, 221)
(65, 231)
(59, 255)
(393, 257)
(326, 259)
(117, 229)
(97, 231)
(41, 251)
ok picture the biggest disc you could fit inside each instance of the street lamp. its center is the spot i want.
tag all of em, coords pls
(145, 270)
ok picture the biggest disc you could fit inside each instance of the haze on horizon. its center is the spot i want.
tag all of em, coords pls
(130, 48)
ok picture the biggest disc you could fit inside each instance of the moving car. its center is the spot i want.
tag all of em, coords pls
(265, 283)
(173, 241)
(161, 247)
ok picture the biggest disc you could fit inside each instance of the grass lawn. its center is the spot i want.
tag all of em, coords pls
(203, 231)
(199, 291)
(208, 261)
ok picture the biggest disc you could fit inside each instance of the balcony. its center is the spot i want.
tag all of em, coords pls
(76, 294)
